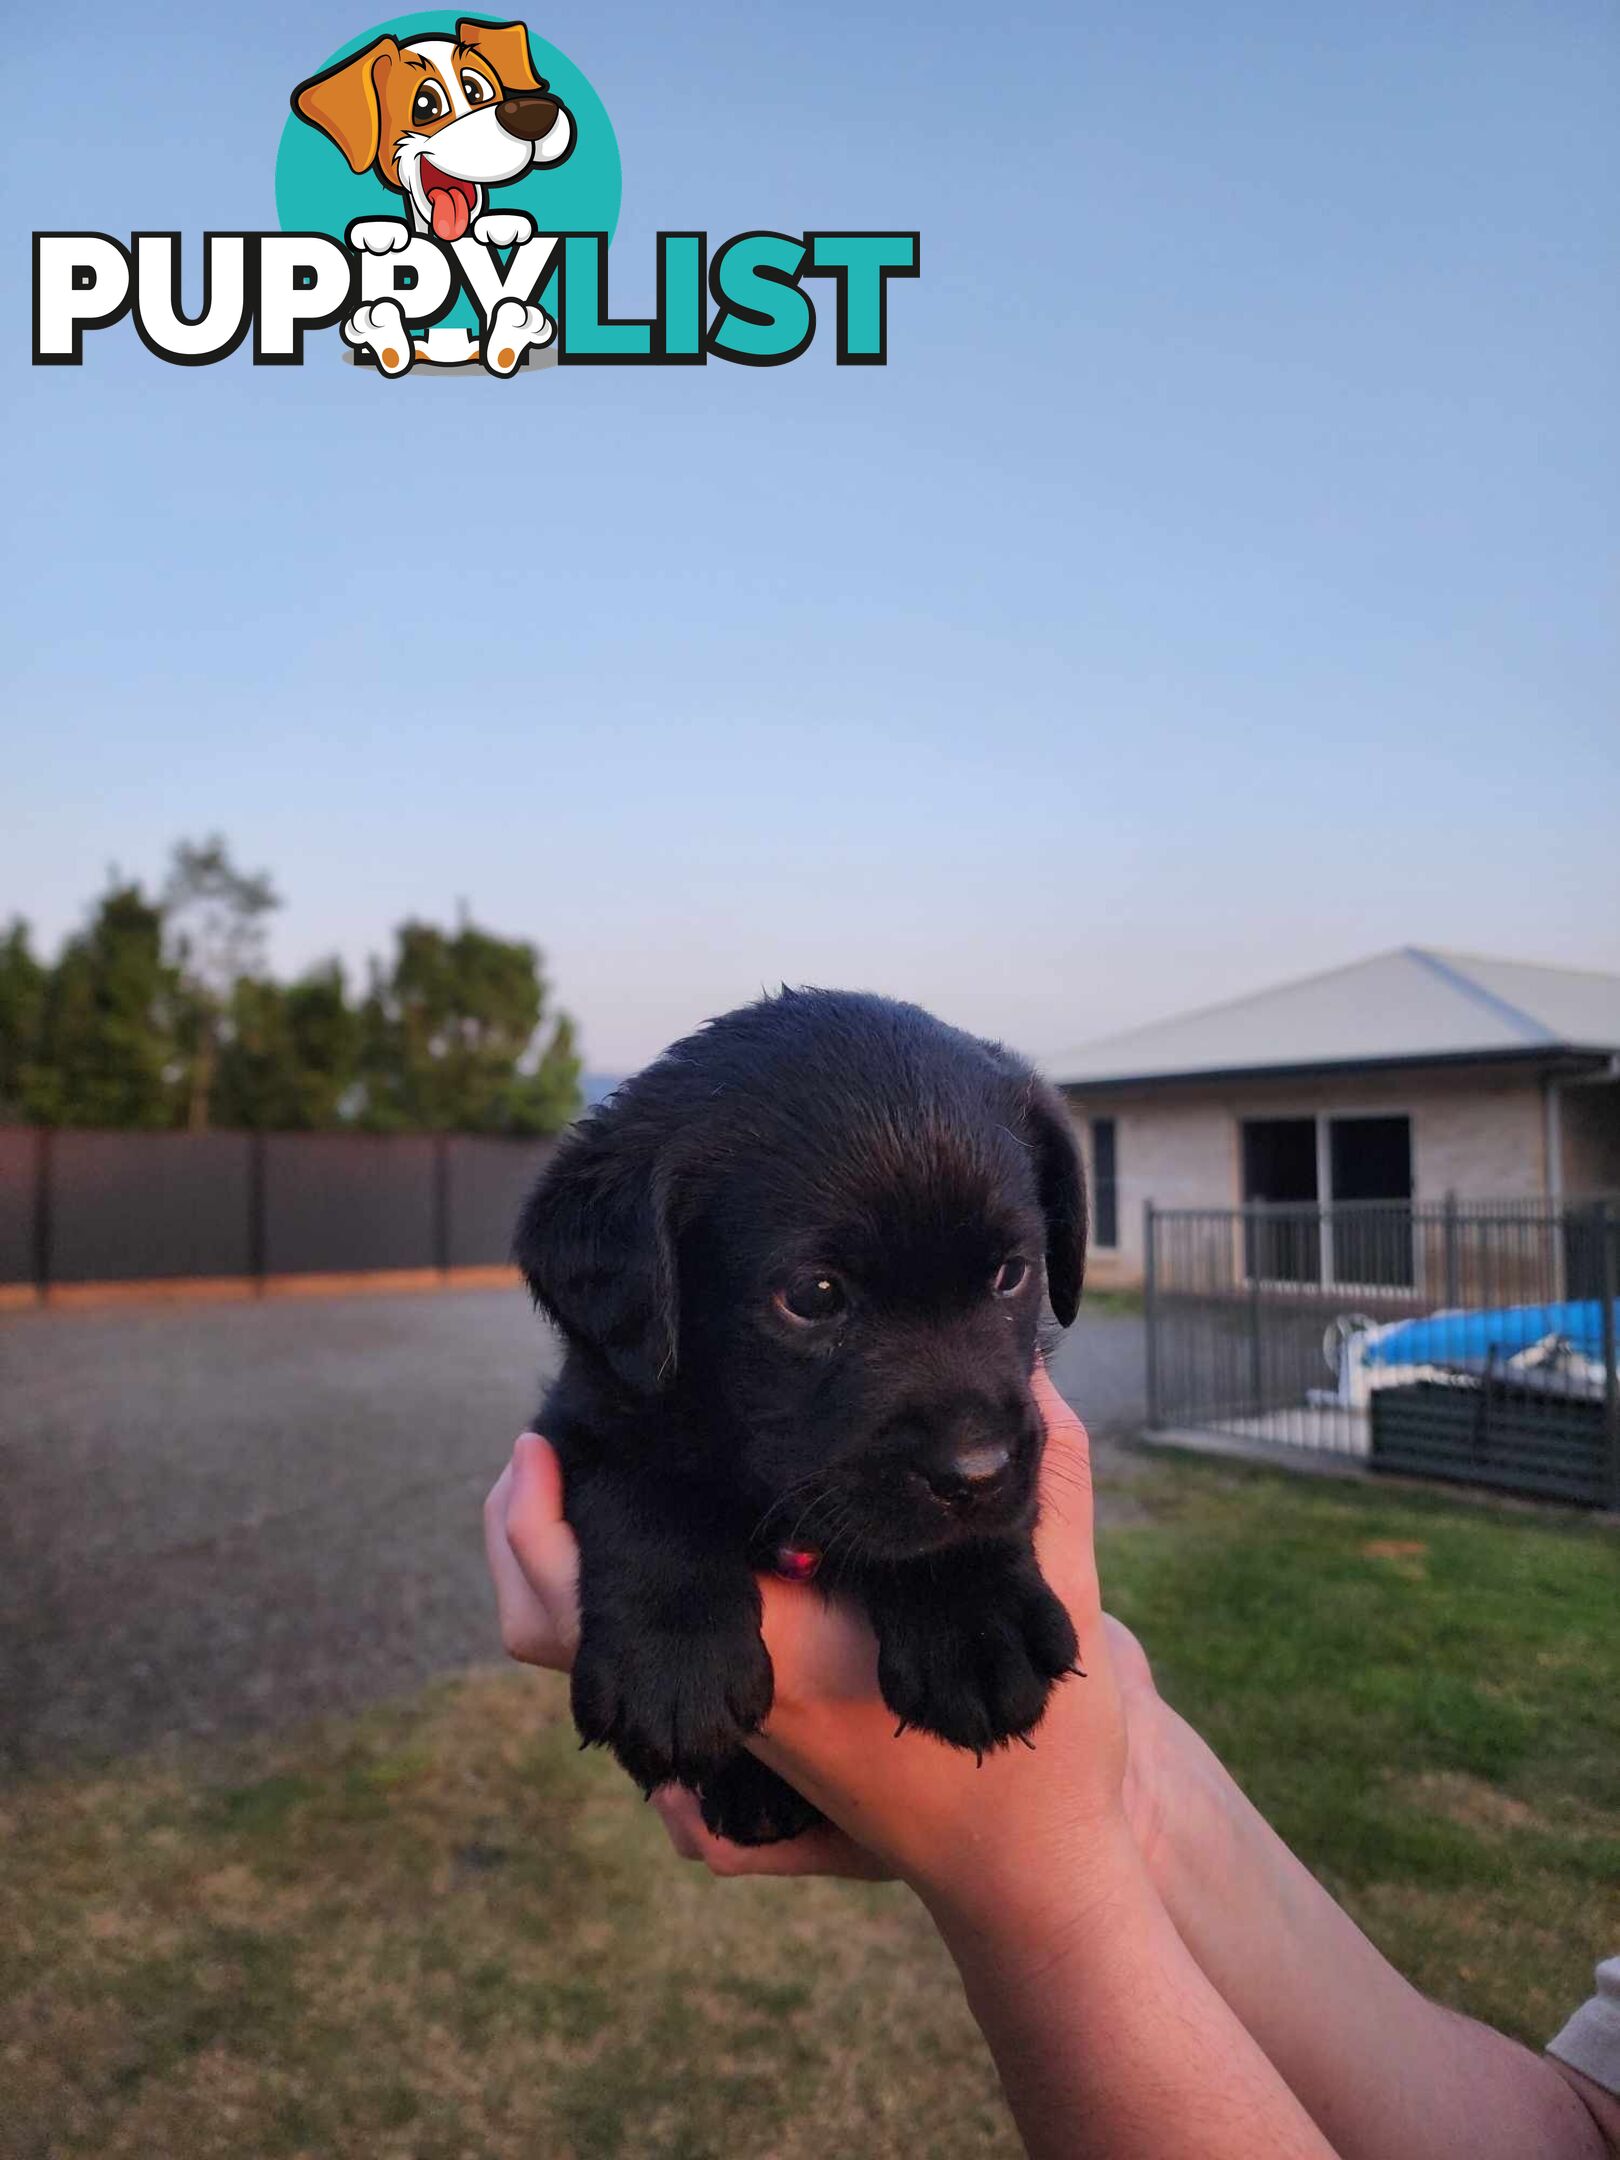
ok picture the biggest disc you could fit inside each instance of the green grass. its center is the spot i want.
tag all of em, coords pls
(1422, 1695)
(440, 1930)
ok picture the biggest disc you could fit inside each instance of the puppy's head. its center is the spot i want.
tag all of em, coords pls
(824, 1226)
(441, 119)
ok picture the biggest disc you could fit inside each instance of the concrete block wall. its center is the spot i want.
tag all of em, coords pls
(1477, 1132)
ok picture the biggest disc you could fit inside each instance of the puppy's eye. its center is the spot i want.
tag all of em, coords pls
(1011, 1277)
(478, 91)
(428, 105)
(810, 1297)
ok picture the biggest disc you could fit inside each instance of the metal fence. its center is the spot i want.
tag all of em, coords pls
(105, 1207)
(1467, 1342)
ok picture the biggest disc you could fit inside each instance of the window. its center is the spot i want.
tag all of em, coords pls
(1370, 1167)
(1279, 1170)
(1104, 1190)
(1341, 1188)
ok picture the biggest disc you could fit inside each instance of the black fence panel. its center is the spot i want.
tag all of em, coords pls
(341, 1202)
(131, 1207)
(19, 1175)
(486, 1179)
(106, 1207)
(1492, 1435)
(1463, 1341)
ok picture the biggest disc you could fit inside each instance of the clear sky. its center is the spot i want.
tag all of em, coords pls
(1219, 583)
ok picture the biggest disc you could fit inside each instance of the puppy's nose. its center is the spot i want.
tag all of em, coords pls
(526, 116)
(971, 1471)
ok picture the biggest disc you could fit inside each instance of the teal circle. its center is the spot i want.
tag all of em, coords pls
(316, 192)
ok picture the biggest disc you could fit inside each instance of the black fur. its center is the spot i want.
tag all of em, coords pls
(816, 1136)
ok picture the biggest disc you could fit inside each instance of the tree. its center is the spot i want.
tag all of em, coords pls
(107, 1049)
(543, 1099)
(289, 1054)
(160, 1012)
(22, 1016)
(216, 920)
(447, 1029)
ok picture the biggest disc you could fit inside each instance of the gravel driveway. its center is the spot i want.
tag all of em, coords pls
(219, 1518)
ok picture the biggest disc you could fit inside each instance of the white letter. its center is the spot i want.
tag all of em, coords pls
(287, 309)
(79, 279)
(379, 278)
(481, 271)
(219, 329)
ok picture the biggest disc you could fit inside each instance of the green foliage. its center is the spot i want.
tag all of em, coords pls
(446, 1032)
(22, 1012)
(290, 1053)
(160, 1013)
(215, 919)
(106, 1046)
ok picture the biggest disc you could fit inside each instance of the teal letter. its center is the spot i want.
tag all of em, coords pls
(764, 318)
(584, 332)
(863, 264)
(680, 295)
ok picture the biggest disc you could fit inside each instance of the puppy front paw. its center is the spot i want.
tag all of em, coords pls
(751, 1805)
(503, 228)
(380, 328)
(514, 330)
(978, 1673)
(672, 1706)
(380, 236)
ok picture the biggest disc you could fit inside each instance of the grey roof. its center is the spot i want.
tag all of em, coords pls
(1407, 1006)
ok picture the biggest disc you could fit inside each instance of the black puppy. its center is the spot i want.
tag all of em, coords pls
(798, 1264)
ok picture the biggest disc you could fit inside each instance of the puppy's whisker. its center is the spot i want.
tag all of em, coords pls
(786, 1499)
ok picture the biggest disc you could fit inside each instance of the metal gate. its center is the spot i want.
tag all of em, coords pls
(1473, 1342)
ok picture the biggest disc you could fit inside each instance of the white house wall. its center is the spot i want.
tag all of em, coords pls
(1478, 1133)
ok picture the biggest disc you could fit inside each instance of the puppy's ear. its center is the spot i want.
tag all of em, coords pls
(506, 47)
(345, 102)
(1061, 1183)
(595, 1246)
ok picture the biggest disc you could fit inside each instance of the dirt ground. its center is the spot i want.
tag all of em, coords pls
(220, 1519)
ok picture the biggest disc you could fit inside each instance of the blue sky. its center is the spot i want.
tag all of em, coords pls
(1218, 583)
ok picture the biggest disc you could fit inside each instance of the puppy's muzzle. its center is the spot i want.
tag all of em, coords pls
(971, 1473)
(976, 1463)
(527, 116)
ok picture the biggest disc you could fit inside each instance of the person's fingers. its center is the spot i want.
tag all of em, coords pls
(678, 1811)
(526, 1626)
(1063, 1534)
(540, 1540)
(1130, 1660)
(822, 1650)
(535, 1581)
(819, 1851)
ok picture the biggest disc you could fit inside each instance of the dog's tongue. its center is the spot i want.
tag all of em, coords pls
(450, 212)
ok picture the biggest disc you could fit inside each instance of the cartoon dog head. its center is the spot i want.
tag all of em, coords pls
(441, 119)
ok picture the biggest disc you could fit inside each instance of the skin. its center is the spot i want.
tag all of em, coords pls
(1140, 1949)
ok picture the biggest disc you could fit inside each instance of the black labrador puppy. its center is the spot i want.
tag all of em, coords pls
(798, 1264)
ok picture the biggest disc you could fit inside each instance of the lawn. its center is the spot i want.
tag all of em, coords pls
(439, 1929)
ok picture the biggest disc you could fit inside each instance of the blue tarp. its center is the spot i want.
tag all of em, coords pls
(1474, 1338)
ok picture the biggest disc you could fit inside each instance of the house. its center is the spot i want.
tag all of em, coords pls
(1409, 1076)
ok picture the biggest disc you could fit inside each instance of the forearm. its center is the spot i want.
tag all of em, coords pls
(1380, 2067)
(1109, 2041)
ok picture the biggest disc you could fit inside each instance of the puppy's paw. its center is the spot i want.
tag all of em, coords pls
(977, 1674)
(379, 235)
(672, 1706)
(751, 1805)
(513, 330)
(503, 228)
(382, 327)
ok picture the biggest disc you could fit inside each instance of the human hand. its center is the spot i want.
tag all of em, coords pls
(981, 1843)
(899, 1796)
